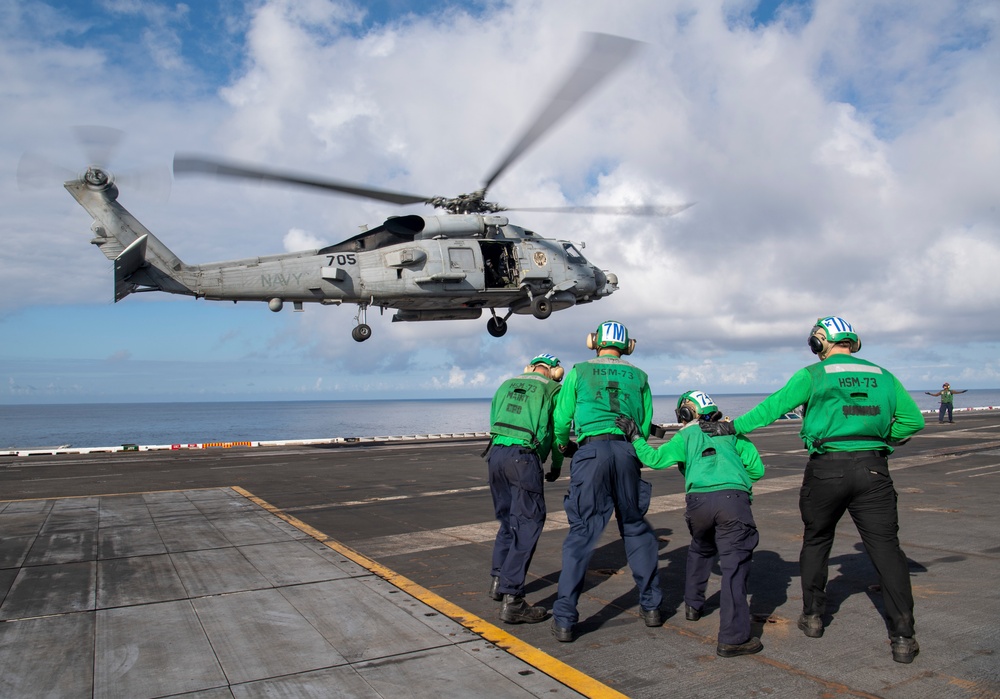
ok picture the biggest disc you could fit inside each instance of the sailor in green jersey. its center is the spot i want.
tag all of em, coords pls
(520, 441)
(719, 473)
(947, 401)
(605, 473)
(855, 413)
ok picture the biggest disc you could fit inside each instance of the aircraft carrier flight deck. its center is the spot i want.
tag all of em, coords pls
(361, 570)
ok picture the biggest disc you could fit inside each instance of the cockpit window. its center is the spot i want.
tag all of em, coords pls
(573, 255)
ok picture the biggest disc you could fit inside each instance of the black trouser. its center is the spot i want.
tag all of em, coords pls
(721, 524)
(858, 482)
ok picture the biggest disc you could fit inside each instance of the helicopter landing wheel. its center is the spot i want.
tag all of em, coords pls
(497, 327)
(361, 332)
(541, 308)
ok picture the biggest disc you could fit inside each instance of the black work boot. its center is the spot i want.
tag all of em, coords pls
(811, 625)
(516, 611)
(562, 634)
(731, 650)
(904, 648)
(652, 617)
(494, 593)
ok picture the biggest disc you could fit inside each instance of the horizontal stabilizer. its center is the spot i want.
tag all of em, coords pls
(128, 263)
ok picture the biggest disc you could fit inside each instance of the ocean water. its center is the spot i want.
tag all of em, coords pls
(114, 424)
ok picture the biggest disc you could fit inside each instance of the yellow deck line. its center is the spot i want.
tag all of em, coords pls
(540, 660)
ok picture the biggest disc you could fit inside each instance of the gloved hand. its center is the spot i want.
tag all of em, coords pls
(569, 449)
(628, 426)
(553, 474)
(721, 428)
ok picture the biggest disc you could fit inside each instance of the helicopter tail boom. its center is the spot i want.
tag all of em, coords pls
(142, 262)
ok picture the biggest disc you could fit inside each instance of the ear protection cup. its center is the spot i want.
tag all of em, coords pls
(556, 373)
(592, 343)
(695, 405)
(685, 414)
(815, 344)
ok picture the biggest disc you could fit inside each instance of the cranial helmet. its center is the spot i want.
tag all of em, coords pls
(829, 331)
(695, 404)
(613, 334)
(556, 372)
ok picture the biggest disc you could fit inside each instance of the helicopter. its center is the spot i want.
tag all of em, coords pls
(450, 266)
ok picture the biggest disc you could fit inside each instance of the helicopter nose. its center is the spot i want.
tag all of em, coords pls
(607, 283)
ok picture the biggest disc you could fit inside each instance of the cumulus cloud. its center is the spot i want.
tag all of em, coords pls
(297, 239)
(842, 156)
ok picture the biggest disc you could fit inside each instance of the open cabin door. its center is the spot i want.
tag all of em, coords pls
(500, 265)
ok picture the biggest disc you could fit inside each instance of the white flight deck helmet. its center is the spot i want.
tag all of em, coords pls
(611, 333)
(829, 331)
(556, 372)
(696, 404)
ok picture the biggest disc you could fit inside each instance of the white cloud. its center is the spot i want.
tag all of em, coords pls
(297, 239)
(843, 159)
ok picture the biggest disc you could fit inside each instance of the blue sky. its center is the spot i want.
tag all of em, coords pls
(844, 156)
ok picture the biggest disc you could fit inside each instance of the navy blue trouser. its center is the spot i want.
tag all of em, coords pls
(945, 408)
(604, 478)
(519, 504)
(862, 486)
(721, 523)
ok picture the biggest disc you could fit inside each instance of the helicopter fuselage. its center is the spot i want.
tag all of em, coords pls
(444, 267)
(442, 271)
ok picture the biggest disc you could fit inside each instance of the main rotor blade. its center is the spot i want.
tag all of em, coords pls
(194, 164)
(639, 210)
(604, 54)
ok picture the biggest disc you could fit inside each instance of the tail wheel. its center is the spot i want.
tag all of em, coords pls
(361, 332)
(497, 327)
(540, 307)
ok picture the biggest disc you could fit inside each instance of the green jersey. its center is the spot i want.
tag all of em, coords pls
(707, 463)
(850, 405)
(521, 415)
(598, 391)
